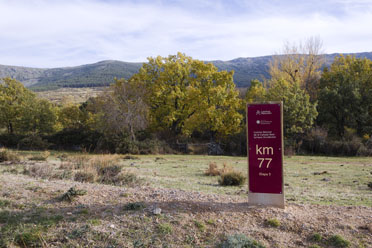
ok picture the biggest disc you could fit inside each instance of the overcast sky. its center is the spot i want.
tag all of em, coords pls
(55, 33)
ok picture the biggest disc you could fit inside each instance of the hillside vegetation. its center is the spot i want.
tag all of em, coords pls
(104, 72)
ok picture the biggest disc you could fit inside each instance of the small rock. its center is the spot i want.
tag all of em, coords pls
(326, 180)
(112, 226)
(69, 213)
(156, 211)
(219, 221)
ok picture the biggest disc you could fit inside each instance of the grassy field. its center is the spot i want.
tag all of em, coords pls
(328, 202)
(342, 181)
(308, 179)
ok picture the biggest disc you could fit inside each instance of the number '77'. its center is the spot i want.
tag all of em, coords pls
(262, 160)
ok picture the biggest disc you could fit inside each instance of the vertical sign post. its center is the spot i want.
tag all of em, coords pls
(265, 154)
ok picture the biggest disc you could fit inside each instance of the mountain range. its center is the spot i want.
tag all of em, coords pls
(103, 73)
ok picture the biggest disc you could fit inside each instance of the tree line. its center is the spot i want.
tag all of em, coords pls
(177, 99)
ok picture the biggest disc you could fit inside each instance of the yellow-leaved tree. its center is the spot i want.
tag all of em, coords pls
(187, 95)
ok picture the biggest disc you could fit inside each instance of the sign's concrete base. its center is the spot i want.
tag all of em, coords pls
(262, 199)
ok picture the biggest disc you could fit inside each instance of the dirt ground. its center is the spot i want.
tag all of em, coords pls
(187, 219)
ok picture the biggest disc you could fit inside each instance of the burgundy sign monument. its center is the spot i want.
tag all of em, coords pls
(265, 154)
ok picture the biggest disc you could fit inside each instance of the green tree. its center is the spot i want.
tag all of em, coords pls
(299, 113)
(256, 92)
(345, 99)
(22, 112)
(39, 117)
(186, 95)
(72, 116)
(14, 100)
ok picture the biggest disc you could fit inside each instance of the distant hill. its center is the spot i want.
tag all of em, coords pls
(104, 72)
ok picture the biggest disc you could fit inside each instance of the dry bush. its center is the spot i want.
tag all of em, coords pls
(88, 174)
(39, 170)
(41, 157)
(128, 179)
(214, 171)
(6, 155)
(79, 161)
(85, 177)
(104, 160)
(63, 157)
(109, 174)
(226, 168)
(66, 166)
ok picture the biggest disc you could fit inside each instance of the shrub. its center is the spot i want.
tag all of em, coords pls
(79, 161)
(109, 174)
(6, 155)
(232, 178)
(147, 146)
(316, 237)
(41, 157)
(62, 175)
(272, 222)
(364, 151)
(72, 193)
(343, 147)
(128, 179)
(134, 206)
(39, 170)
(338, 241)
(31, 238)
(226, 169)
(33, 142)
(101, 161)
(212, 170)
(315, 140)
(240, 241)
(165, 228)
(85, 176)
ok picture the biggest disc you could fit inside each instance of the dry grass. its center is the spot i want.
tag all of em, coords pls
(41, 156)
(214, 171)
(7, 155)
(39, 170)
(79, 161)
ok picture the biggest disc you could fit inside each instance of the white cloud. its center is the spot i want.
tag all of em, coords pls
(66, 33)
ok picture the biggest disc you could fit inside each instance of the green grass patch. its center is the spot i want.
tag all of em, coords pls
(338, 241)
(272, 222)
(316, 237)
(200, 225)
(240, 240)
(165, 228)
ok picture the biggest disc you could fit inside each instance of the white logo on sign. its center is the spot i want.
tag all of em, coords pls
(258, 121)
